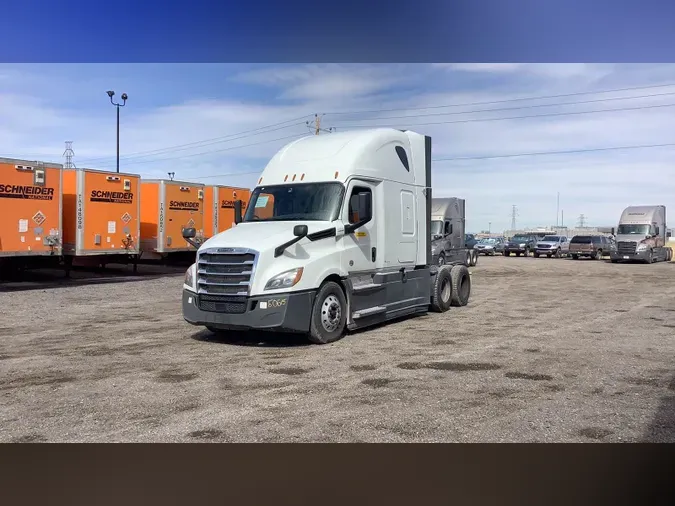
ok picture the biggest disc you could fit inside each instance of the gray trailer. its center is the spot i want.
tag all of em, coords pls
(642, 235)
(448, 219)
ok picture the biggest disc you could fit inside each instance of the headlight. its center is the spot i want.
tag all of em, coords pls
(641, 247)
(522, 245)
(286, 279)
(190, 278)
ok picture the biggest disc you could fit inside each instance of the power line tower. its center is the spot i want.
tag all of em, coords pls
(316, 128)
(582, 221)
(69, 154)
(514, 214)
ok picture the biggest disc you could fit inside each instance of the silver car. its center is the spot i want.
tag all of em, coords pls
(552, 246)
(489, 246)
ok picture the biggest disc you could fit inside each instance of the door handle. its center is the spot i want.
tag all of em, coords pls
(373, 253)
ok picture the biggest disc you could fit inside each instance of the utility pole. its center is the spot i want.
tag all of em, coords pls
(489, 227)
(557, 210)
(562, 218)
(317, 125)
(582, 221)
(69, 153)
(514, 213)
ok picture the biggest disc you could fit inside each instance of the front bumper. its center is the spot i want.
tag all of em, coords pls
(638, 255)
(546, 251)
(515, 249)
(290, 312)
(485, 251)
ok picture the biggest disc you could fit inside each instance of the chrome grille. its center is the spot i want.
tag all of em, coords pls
(225, 271)
(626, 247)
(543, 246)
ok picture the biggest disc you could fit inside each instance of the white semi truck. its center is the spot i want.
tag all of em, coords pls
(336, 237)
(642, 235)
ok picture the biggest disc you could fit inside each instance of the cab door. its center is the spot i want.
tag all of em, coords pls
(360, 252)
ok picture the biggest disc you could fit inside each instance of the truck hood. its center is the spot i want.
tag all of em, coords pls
(631, 238)
(261, 235)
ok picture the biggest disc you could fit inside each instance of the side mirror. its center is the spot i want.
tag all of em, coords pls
(656, 231)
(237, 212)
(300, 230)
(189, 233)
(669, 234)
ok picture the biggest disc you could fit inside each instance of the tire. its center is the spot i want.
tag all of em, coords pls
(441, 259)
(558, 253)
(441, 296)
(535, 254)
(669, 255)
(548, 255)
(598, 255)
(650, 258)
(614, 261)
(517, 253)
(507, 254)
(474, 258)
(575, 257)
(329, 314)
(461, 285)
(467, 258)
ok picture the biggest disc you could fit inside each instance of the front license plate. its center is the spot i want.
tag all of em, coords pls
(625, 257)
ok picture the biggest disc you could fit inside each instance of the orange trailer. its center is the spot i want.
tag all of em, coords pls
(101, 213)
(167, 207)
(219, 207)
(30, 208)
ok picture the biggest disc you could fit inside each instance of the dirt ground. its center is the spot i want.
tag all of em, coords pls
(546, 351)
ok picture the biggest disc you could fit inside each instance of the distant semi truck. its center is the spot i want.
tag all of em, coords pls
(642, 235)
(448, 240)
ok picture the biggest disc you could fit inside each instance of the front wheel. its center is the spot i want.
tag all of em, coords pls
(650, 257)
(329, 316)
(441, 296)
(557, 253)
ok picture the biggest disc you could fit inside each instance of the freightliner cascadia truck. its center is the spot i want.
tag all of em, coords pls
(642, 235)
(336, 237)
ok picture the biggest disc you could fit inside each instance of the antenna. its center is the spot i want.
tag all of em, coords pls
(69, 154)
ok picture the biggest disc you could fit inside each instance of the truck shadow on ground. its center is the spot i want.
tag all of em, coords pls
(270, 339)
(253, 338)
(662, 427)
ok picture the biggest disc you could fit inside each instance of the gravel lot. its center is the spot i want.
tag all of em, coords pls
(547, 350)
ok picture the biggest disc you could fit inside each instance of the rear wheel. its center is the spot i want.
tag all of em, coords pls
(467, 258)
(575, 257)
(441, 296)
(329, 315)
(474, 258)
(461, 285)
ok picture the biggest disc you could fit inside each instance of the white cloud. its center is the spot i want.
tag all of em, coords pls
(34, 122)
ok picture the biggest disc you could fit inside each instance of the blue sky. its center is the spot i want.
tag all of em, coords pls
(185, 118)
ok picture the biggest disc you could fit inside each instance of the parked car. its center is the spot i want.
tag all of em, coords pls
(592, 246)
(520, 244)
(488, 246)
(470, 241)
(552, 245)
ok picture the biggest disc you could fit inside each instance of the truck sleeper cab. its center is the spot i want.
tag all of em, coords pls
(335, 237)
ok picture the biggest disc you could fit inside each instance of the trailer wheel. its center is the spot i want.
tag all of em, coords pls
(474, 258)
(467, 259)
(461, 285)
(441, 294)
(329, 314)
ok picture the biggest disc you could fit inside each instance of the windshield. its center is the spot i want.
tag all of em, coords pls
(552, 238)
(487, 240)
(436, 227)
(295, 202)
(633, 229)
(520, 238)
(582, 239)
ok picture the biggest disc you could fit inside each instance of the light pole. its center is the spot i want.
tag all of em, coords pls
(111, 94)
